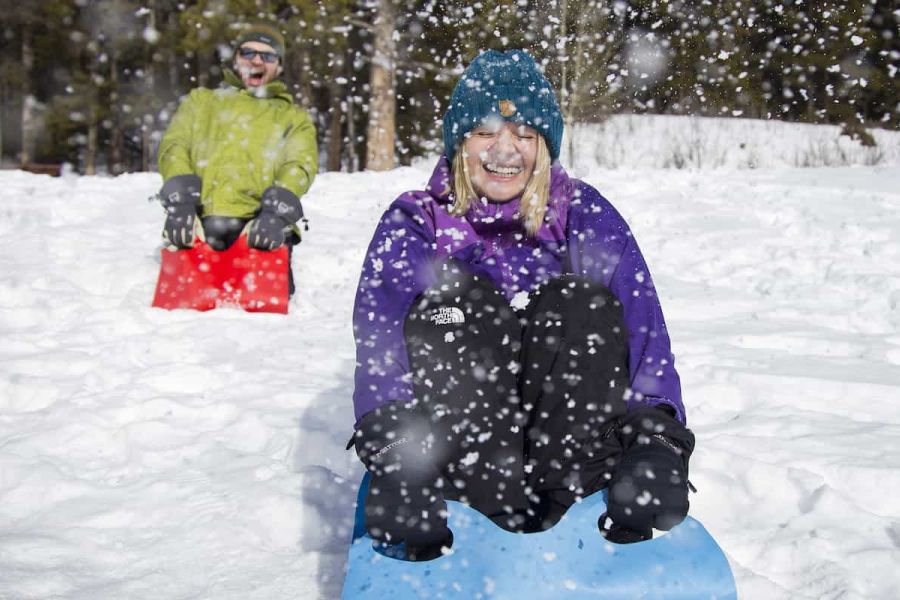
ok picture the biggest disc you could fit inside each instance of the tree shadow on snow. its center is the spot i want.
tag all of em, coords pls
(330, 480)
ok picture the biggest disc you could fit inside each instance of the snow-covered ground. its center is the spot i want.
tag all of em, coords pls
(180, 455)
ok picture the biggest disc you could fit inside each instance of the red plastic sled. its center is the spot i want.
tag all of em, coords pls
(201, 278)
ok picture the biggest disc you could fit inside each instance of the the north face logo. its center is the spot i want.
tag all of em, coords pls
(283, 208)
(448, 316)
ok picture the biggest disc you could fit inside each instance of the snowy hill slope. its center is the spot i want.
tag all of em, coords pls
(153, 454)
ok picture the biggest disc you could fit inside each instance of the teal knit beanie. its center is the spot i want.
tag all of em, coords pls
(508, 85)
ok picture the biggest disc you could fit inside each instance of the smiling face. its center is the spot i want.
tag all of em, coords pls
(253, 69)
(500, 158)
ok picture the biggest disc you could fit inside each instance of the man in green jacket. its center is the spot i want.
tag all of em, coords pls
(240, 156)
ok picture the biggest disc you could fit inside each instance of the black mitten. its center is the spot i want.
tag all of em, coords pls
(403, 504)
(180, 196)
(650, 487)
(279, 209)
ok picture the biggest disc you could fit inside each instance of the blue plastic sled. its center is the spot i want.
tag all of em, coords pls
(571, 561)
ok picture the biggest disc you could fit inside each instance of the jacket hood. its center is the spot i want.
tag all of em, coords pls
(273, 89)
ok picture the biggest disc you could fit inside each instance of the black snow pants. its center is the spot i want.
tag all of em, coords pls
(522, 405)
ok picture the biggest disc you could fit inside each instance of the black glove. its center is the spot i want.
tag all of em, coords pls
(403, 504)
(650, 487)
(180, 196)
(279, 209)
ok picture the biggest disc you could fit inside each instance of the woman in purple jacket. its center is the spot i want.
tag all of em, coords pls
(511, 349)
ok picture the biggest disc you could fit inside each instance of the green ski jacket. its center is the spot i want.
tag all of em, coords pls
(239, 142)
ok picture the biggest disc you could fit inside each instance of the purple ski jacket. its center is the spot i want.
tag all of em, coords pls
(582, 234)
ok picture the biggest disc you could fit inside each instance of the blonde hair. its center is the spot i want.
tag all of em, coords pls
(533, 206)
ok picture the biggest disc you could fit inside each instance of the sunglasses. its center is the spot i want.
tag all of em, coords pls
(250, 54)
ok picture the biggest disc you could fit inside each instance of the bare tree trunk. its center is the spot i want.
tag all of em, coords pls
(578, 74)
(4, 98)
(203, 63)
(381, 133)
(575, 99)
(563, 58)
(173, 61)
(302, 74)
(117, 135)
(564, 91)
(28, 101)
(335, 143)
(335, 147)
(93, 108)
(156, 74)
(352, 157)
(3, 101)
(90, 156)
(147, 143)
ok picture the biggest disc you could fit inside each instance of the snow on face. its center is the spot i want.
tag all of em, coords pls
(500, 158)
